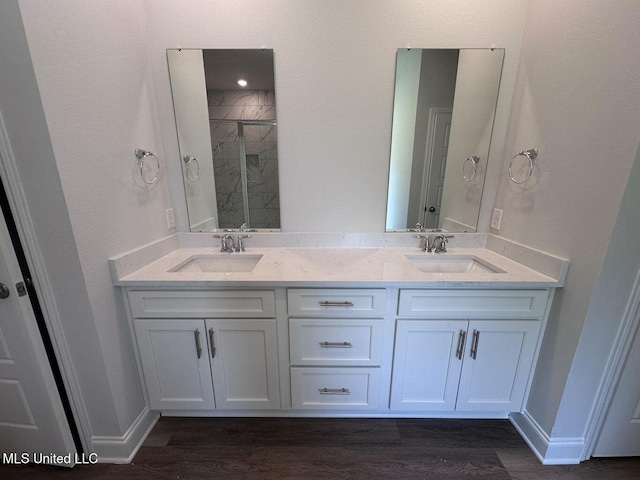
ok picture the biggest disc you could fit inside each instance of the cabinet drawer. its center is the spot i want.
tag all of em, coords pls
(342, 342)
(472, 303)
(200, 303)
(325, 302)
(334, 388)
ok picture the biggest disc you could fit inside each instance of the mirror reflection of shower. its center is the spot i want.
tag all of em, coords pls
(245, 165)
(230, 126)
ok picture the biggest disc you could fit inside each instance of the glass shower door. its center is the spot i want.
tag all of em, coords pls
(245, 162)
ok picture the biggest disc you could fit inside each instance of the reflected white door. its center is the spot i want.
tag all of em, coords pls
(620, 435)
(32, 418)
(435, 164)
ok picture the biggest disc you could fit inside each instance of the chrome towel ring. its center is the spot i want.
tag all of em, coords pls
(474, 167)
(142, 156)
(189, 162)
(530, 154)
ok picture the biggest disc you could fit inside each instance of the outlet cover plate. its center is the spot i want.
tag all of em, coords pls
(496, 219)
(171, 218)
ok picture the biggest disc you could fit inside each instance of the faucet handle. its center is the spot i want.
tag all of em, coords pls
(240, 245)
(224, 247)
(427, 242)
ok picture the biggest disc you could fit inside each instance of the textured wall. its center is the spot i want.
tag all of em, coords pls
(576, 100)
(334, 80)
(92, 65)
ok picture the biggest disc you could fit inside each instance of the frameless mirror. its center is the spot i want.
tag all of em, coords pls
(224, 104)
(444, 107)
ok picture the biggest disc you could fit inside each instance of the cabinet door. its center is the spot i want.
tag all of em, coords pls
(494, 379)
(175, 363)
(426, 366)
(244, 363)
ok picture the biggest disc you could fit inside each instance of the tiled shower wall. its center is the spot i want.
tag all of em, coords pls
(262, 157)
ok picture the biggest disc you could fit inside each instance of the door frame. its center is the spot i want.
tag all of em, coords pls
(428, 155)
(19, 210)
(613, 370)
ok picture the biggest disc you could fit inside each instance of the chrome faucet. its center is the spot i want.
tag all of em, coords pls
(439, 243)
(231, 245)
(245, 228)
(224, 243)
(435, 244)
(227, 244)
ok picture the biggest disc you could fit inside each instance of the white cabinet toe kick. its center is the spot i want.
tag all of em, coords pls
(286, 351)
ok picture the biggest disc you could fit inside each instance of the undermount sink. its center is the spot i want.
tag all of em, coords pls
(218, 263)
(445, 263)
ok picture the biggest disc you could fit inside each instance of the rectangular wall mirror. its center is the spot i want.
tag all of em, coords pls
(443, 113)
(225, 111)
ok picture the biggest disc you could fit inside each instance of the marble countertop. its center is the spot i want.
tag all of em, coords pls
(317, 267)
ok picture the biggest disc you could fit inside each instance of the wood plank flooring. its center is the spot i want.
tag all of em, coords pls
(306, 448)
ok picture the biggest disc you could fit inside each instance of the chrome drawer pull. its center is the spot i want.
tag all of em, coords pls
(334, 391)
(326, 303)
(335, 345)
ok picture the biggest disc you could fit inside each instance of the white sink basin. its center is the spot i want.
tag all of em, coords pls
(218, 262)
(445, 263)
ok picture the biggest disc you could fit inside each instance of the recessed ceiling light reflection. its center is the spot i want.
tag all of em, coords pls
(242, 82)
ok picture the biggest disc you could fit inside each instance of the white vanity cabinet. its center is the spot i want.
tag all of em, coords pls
(244, 363)
(174, 358)
(206, 363)
(477, 360)
(335, 345)
(462, 352)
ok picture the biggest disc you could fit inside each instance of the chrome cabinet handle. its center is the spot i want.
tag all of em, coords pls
(474, 344)
(326, 303)
(462, 336)
(196, 333)
(212, 343)
(334, 391)
(335, 345)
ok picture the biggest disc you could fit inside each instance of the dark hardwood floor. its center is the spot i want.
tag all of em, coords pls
(305, 448)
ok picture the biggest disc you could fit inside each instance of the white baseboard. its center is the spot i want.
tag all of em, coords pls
(550, 451)
(112, 449)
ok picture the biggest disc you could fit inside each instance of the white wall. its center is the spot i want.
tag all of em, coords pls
(577, 101)
(604, 316)
(405, 106)
(334, 74)
(30, 144)
(477, 85)
(189, 93)
(92, 66)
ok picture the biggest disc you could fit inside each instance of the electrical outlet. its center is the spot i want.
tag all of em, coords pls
(496, 218)
(171, 219)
